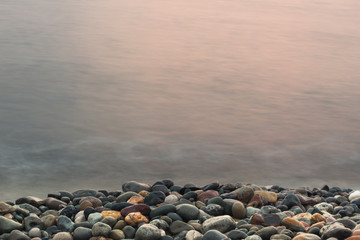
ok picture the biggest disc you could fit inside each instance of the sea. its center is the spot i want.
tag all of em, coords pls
(96, 93)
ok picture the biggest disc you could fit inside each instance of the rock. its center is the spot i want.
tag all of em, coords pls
(62, 236)
(293, 224)
(251, 211)
(120, 206)
(65, 224)
(291, 200)
(221, 223)
(109, 221)
(214, 235)
(207, 195)
(161, 224)
(101, 229)
(148, 232)
(134, 186)
(136, 200)
(317, 217)
(193, 235)
(117, 234)
(171, 199)
(213, 209)
(161, 188)
(354, 195)
(305, 200)
(256, 201)
(95, 217)
(93, 200)
(18, 235)
(270, 197)
(82, 233)
(178, 226)
(129, 231)
(271, 219)
(69, 211)
(34, 201)
(48, 220)
(244, 194)
(142, 208)
(266, 232)
(187, 211)
(154, 198)
(280, 237)
(35, 232)
(33, 221)
(348, 223)
(253, 237)
(306, 236)
(29, 208)
(84, 193)
(162, 210)
(54, 203)
(336, 230)
(236, 235)
(111, 213)
(325, 207)
(6, 208)
(135, 218)
(124, 197)
(85, 204)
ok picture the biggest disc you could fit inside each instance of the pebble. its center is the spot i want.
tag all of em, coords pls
(165, 211)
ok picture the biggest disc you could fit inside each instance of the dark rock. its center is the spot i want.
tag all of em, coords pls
(291, 200)
(120, 206)
(143, 208)
(211, 186)
(190, 195)
(236, 235)
(174, 216)
(34, 201)
(214, 235)
(7, 225)
(162, 210)
(154, 198)
(266, 232)
(69, 211)
(84, 193)
(101, 229)
(82, 233)
(18, 235)
(348, 223)
(179, 226)
(161, 188)
(129, 231)
(244, 194)
(65, 224)
(54, 203)
(187, 211)
(148, 232)
(33, 221)
(29, 208)
(133, 186)
(88, 211)
(214, 209)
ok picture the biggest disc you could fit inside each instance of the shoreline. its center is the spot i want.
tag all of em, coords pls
(165, 211)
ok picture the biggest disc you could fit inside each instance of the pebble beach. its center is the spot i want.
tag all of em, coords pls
(166, 211)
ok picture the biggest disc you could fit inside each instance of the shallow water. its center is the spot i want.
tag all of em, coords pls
(93, 93)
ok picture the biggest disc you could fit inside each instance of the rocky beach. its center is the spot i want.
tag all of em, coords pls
(165, 211)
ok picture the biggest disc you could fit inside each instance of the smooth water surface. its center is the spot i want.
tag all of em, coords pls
(94, 93)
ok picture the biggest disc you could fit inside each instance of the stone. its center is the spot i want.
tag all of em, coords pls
(129, 231)
(84, 193)
(111, 213)
(29, 208)
(178, 226)
(244, 194)
(236, 235)
(354, 195)
(35, 232)
(109, 221)
(161, 224)
(34, 201)
(306, 236)
(101, 229)
(257, 219)
(134, 186)
(54, 203)
(85, 204)
(207, 195)
(134, 218)
(120, 206)
(251, 211)
(136, 200)
(117, 234)
(293, 224)
(62, 236)
(142, 208)
(82, 233)
(266, 232)
(348, 223)
(161, 188)
(214, 235)
(238, 210)
(336, 230)
(256, 201)
(253, 237)
(126, 196)
(93, 200)
(162, 210)
(120, 224)
(193, 235)
(65, 224)
(154, 198)
(223, 224)
(32, 221)
(291, 200)
(148, 232)
(171, 199)
(305, 200)
(95, 217)
(268, 196)
(18, 235)
(325, 207)
(6, 208)
(317, 217)
(213, 209)
(280, 237)
(48, 220)
(187, 211)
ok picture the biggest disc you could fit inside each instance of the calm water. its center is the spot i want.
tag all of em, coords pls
(93, 93)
